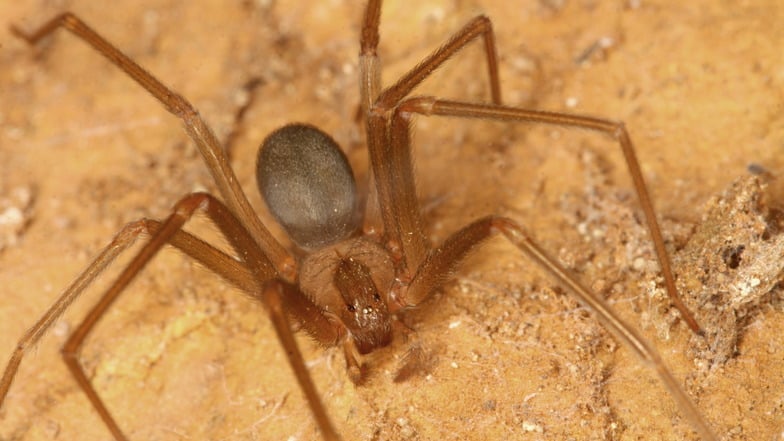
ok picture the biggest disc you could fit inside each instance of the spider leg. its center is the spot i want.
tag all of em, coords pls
(274, 270)
(208, 145)
(122, 241)
(435, 107)
(199, 250)
(394, 185)
(254, 274)
(391, 158)
(440, 264)
(370, 66)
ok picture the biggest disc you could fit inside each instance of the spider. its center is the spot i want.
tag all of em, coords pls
(344, 281)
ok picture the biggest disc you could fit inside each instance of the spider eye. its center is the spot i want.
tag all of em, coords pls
(376, 297)
(350, 307)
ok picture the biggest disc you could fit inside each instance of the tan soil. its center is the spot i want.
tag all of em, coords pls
(507, 355)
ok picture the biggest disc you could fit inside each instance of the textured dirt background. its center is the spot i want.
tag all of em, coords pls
(182, 356)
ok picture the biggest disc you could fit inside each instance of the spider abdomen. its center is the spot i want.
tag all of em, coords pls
(308, 185)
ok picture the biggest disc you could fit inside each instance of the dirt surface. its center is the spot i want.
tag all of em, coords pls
(503, 352)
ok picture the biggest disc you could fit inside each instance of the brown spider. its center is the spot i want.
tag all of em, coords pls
(340, 285)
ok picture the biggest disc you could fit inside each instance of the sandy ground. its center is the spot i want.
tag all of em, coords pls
(509, 355)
